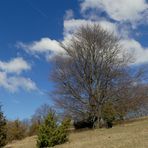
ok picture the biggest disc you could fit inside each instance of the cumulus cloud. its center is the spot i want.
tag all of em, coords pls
(16, 65)
(69, 14)
(140, 53)
(14, 83)
(43, 46)
(119, 10)
(10, 75)
(72, 25)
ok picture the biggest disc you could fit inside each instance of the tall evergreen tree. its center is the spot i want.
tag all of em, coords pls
(3, 131)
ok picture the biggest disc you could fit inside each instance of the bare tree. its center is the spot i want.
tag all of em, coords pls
(38, 118)
(42, 112)
(95, 71)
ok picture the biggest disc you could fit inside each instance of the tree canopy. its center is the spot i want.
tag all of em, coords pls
(95, 71)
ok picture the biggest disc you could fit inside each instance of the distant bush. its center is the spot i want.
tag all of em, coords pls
(109, 114)
(84, 123)
(3, 131)
(15, 130)
(39, 117)
(33, 129)
(51, 133)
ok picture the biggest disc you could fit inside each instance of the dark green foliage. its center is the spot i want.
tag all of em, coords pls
(51, 134)
(3, 131)
(108, 114)
(84, 123)
(62, 132)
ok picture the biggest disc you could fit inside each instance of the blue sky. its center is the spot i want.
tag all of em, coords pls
(29, 35)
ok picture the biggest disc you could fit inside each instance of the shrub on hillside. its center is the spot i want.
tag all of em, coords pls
(15, 130)
(3, 131)
(108, 114)
(39, 117)
(51, 133)
(84, 123)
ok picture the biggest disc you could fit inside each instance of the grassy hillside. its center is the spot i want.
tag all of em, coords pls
(129, 135)
(29, 142)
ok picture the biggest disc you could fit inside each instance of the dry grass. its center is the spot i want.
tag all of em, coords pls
(29, 142)
(131, 135)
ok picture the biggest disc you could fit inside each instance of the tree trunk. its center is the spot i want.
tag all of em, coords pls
(99, 122)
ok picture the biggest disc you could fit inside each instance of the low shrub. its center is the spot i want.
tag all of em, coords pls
(15, 130)
(85, 123)
(51, 133)
(108, 114)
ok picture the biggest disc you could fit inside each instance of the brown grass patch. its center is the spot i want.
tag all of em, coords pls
(131, 135)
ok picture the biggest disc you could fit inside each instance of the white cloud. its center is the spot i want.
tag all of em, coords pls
(120, 10)
(111, 27)
(16, 65)
(43, 46)
(14, 83)
(140, 53)
(69, 14)
(72, 25)
(10, 75)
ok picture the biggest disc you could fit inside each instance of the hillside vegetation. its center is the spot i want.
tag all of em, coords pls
(129, 135)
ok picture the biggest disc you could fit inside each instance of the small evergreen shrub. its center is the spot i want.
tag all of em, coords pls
(51, 133)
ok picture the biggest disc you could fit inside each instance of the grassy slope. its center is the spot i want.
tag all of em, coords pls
(129, 135)
(29, 142)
